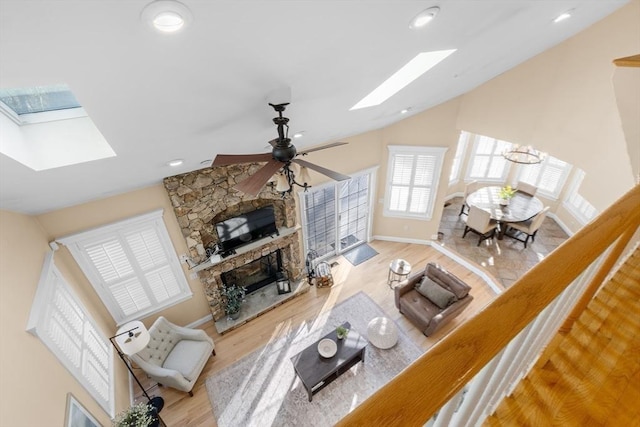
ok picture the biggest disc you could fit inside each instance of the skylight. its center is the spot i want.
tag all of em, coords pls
(419, 65)
(45, 127)
(40, 104)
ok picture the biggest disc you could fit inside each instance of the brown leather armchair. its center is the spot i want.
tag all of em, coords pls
(424, 313)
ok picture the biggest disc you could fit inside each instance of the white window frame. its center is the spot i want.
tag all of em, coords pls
(497, 149)
(458, 157)
(546, 168)
(93, 350)
(438, 155)
(78, 243)
(575, 203)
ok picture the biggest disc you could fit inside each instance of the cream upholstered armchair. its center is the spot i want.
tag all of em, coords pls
(479, 222)
(175, 355)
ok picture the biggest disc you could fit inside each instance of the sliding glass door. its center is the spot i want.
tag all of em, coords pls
(336, 216)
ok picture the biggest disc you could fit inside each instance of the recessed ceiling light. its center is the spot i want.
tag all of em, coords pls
(405, 111)
(175, 162)
(424, 17)
(413, 69)
(298, 135)
(563, 16)
(167, 16)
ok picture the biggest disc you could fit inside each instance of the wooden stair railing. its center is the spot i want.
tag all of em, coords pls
(415, 394)
(628, 61)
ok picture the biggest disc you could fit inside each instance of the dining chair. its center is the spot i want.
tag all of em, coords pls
(479, 222)
(468, 189)
(529, 228)
(525, 188)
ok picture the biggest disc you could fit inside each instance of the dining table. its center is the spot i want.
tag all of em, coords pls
(520, 207)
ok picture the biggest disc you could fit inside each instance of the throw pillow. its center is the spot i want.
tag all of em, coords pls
(435, 293)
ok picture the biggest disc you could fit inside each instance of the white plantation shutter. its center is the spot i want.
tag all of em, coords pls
(62, 323)
(132, 265)
(549, 176)
(456, 164)
(487, 163)
(412, 180)
(575, 203)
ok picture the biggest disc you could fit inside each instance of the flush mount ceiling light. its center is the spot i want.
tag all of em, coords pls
(298, 135)
(563, 16)
(524, 155)
(419, 65)
(424, 17)
(176, 162)
(167, 16)
(405, 111)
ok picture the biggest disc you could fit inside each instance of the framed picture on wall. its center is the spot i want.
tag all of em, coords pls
(77, 415)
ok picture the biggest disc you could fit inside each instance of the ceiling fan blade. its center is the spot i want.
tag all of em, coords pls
(335, 144)
(331, 174)
(274, 141)
(234, 159)
(255, 182)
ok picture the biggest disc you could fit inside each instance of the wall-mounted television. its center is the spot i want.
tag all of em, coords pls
(246, 228)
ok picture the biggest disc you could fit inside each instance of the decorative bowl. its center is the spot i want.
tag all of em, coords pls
(327, 347)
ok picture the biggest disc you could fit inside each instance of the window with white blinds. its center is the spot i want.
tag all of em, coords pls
(487, 163)
(456, 164)
(412, 181)
(63, 324)
(132, 265)
(575, 203)
(549, 176)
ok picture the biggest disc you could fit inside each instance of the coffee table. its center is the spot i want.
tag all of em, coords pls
(316, 372)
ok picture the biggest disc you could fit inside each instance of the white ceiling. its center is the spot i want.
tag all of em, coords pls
(203, 91)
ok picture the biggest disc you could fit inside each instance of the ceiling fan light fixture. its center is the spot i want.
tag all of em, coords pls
(282, 184)
(424, 17)
(166, 16)
(304, 176)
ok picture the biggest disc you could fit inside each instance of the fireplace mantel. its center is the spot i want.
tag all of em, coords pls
(282, 233)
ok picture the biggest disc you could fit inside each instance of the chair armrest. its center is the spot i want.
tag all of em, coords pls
(447, 314)
(167, 377)
(189, 333)
(406, 285)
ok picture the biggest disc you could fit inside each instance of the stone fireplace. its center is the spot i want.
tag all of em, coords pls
(202, 198)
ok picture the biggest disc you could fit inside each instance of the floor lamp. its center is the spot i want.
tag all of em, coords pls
(130, 339)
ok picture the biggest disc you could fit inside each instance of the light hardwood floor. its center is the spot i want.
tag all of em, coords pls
(369, 277)
(591, 375)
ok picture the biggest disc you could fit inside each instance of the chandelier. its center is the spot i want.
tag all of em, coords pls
(524, 155)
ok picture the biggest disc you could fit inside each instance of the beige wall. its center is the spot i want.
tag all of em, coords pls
(33, 383)
(563, 102)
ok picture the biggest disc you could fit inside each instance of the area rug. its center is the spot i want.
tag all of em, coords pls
(262, 389)
(360, 254)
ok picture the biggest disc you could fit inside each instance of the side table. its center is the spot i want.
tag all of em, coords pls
(399, 269)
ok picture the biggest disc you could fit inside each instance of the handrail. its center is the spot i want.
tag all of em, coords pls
(415, 394)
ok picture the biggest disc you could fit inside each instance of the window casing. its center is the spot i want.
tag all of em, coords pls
(132, 265)
(575, 203)
(487, 163)
(413, 174)
(60, 320)
(549, 176)
(456, 164)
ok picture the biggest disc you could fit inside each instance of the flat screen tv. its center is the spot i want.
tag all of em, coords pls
(246, 228)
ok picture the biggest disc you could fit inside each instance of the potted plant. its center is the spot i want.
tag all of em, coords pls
(506, 193)
(234, 296)
(140, 415)
(341, 332)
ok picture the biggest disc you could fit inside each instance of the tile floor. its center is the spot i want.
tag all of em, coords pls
(505, 259)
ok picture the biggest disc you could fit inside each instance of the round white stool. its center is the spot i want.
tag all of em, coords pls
(382, 332)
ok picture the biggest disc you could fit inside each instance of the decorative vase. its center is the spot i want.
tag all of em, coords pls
(233, 316)
(504, 202)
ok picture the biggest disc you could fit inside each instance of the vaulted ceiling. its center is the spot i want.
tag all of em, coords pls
(204, 90)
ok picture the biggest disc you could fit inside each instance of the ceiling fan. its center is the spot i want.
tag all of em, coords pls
(283, 154)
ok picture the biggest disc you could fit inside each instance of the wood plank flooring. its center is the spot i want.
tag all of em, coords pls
(591, 375)
(370, 277)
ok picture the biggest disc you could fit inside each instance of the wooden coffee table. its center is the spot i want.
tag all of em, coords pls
(316, 372)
